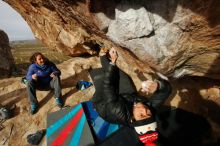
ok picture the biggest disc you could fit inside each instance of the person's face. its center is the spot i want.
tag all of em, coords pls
(40, 60)
(141, 112)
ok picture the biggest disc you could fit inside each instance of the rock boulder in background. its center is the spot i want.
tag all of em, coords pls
(7, 60)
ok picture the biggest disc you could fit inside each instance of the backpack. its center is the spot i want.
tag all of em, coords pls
(82, 85)
(24, 80)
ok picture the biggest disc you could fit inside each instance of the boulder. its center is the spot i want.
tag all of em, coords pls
(130, 23)
(178, 38)
(7, 63)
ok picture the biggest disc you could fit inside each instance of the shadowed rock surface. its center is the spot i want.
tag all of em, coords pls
(7, 61)
(178, 37)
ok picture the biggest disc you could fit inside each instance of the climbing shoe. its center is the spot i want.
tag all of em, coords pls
(34, 108)
(59, 102)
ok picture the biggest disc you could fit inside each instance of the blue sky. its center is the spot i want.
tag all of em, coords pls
(13, 24)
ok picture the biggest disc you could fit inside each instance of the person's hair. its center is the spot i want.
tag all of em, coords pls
(33, 58)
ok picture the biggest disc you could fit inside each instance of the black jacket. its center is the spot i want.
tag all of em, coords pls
(117, 108)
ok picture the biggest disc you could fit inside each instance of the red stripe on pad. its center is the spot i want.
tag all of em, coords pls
(65, 132)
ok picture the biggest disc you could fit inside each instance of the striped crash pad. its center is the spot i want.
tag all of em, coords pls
(77, 126)
(100, 127)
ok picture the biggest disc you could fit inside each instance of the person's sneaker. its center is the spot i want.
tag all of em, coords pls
(59, 102)
(33, 109)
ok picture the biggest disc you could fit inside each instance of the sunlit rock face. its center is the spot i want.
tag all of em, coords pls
(177, 37)
(7, 61)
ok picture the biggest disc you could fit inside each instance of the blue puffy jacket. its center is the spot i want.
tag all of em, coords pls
(43, 72)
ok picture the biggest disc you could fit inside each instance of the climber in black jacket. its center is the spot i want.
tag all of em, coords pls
(117, 101)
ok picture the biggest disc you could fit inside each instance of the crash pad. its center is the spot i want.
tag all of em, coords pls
(77, 126)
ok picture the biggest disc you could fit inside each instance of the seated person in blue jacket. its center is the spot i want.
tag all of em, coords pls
(42, 74)
(116, 99)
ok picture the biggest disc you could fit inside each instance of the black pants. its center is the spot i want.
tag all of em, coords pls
(33, 85)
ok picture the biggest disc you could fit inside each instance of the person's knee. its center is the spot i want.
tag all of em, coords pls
(56, 82)
(31, 83)
(56, 78)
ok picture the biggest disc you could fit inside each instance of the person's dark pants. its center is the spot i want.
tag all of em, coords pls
(33, 85)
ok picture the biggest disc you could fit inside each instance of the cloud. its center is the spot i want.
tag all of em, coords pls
(13, 24)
